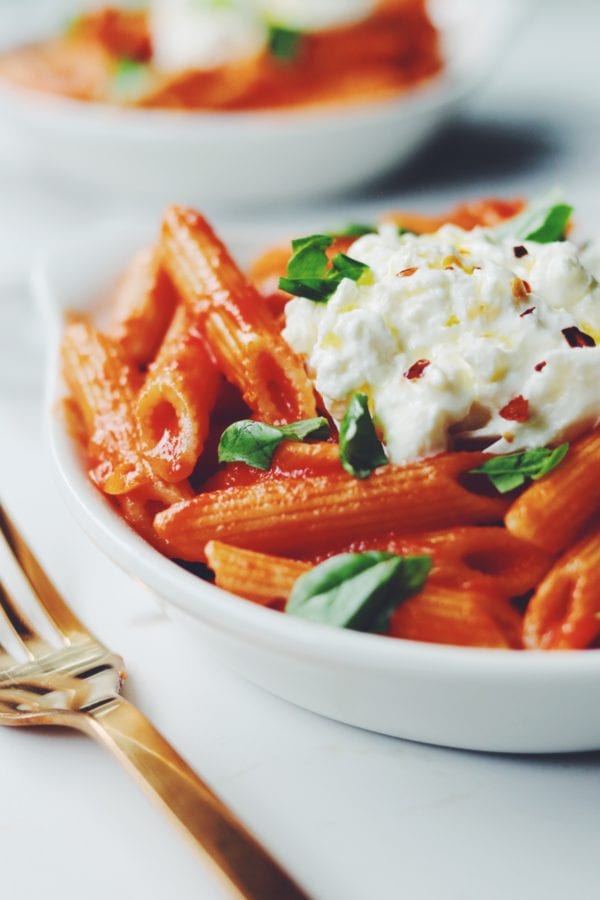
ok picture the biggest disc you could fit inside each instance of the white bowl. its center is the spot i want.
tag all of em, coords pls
(244, 158)
(518, 702)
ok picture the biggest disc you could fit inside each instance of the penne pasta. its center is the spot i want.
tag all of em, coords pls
(302, 516)
(445, 614)
(564, 613)
(240, 331)
(140, 506)
(490, 555)
(176, 401)
(484, 213)
(103, 386)
(555, 510)
(144, 303)
(255, 576)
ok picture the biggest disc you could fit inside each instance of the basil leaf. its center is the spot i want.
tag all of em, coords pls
(357, 590)
(285, 44)
(543, 221)
(360, 448)
(512, 471)
(308, 274)
(350, 268)
(130, 79)
(309, 259)
(318, 289)
(255, 443)
(553, 226)
(317, 428)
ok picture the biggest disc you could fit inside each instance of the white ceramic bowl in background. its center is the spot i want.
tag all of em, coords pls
(476, 699)
(256, 158)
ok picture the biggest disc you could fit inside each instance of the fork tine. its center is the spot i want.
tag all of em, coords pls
(56, 610)
(20, 627)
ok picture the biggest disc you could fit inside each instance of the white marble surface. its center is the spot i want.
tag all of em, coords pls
(353, 814)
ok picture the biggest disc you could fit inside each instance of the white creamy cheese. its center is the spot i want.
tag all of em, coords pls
(314, 15)
(487, 325)
(201, 34)
(205, 34)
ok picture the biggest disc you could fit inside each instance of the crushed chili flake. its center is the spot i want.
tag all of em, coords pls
(520, 289)
(520, 251)
(541, 365)
(527, 312)
(577, 338)
(516, 410)
(406, 272)
(417, 369)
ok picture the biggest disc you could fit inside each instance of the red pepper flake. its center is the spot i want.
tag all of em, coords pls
(520, 251)
(417, 369)
(540, 366)
(516, 410)
(527, 286)
(520, 289)
(405, 273)
(527, 312)
(576, 338)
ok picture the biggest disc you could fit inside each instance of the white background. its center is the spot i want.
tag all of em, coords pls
(353, 814)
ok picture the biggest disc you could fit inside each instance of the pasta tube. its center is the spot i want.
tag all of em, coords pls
(555, 510)
(176, 401)
(144, 304)
(564, 612)
(279, 516)
(240, 331)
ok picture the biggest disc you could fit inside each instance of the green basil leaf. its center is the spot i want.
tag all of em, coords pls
(552, 226)
(308, 274)
(350, 268)
(317, 289)
(318, 429)
(512, 471)
(358, 590)
(285, 44)
(309, 259)
(250, 442)
(543, 221)
(130, 79)
(360, 448)
(255, 443)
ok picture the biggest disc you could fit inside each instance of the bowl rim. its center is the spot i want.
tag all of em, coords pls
(206, 602)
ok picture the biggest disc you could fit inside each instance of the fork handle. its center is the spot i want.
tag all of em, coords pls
(248, 869)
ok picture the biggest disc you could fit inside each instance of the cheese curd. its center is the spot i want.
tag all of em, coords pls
(205, 34)
(482, 317)
(313, 15)
(202, 34)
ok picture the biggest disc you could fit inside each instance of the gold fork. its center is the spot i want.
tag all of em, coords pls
(78, 686)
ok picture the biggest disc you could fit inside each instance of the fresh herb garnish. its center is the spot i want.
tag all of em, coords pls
(509, 472)
(358, 590)
(130, 79)
(360, 448)
(552, 225)
(255, 443)
(308, 272)
(544, 222)
(285, 44)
